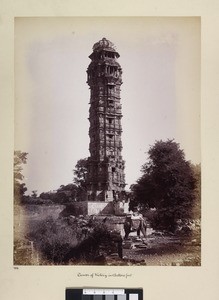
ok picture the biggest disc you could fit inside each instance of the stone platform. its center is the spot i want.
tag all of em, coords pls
(88, 208)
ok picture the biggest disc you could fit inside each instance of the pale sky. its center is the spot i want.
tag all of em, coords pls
(160, 94)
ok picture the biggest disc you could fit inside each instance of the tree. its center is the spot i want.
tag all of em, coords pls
(64, 194)
(80, 173)
(34, 194)
(20, 158)
(67, 193)
(197, 203)
(143, 193)
(167, 183)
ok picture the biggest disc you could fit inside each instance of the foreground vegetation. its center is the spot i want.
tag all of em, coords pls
(58, 240)
(168, 194)
(64, 240)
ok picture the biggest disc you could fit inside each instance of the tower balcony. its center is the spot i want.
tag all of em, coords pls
(114, 110)
(110, 143)
(113, 94)
(113, 127)
(114, 143)
(110, 110)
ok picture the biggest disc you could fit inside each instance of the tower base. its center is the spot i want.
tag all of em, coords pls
(100, 195)
(88, 208)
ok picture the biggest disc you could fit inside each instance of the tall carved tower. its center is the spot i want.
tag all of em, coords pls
(105, 178)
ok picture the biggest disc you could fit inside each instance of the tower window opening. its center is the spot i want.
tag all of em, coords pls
(112, 153)
(113, 169)
(110, 103)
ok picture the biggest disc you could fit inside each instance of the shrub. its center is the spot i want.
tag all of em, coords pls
(53, 239)
(79, 241)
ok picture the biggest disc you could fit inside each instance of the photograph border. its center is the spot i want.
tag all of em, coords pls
(168, 283)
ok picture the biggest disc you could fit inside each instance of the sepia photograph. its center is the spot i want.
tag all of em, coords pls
(107, 149)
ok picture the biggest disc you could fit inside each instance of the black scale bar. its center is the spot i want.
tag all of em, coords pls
(104, 294)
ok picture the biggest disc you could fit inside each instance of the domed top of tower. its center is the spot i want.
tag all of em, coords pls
(104, 44)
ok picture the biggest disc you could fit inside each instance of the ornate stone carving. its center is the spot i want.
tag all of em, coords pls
(105, 175)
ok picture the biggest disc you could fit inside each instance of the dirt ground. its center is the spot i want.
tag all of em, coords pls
(160, 250)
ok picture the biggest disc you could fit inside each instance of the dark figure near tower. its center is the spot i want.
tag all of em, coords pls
(105, 179)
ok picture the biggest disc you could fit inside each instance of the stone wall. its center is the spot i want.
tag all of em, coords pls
(96, 208)
(89, 208)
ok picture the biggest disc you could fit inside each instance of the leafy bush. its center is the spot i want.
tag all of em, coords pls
(53, 239)
(79, 241)
(88, 250)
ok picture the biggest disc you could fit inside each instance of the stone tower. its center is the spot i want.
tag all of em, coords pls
(105, 178)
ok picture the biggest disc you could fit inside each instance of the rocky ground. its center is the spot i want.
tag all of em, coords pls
(159, 249)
